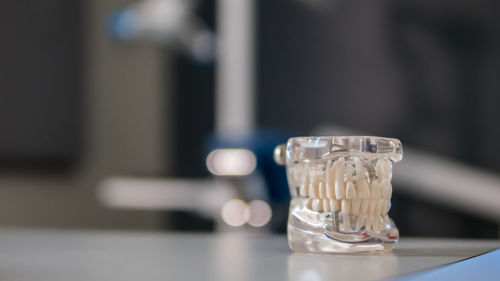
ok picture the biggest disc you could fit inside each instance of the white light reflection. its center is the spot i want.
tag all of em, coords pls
(235, 212)
(231, 162)
(260, 213)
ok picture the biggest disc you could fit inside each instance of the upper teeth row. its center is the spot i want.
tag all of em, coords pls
(335, 183)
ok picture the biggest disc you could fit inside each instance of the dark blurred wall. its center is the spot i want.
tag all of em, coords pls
(40, 82)
(423, 71)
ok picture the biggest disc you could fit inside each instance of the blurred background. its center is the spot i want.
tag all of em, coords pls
(163, 114)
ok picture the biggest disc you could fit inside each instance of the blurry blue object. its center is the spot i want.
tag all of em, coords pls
(122, 24)
(262, 145)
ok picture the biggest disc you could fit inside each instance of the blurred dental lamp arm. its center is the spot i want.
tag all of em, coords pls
(442, 180)
(455, 184)
(202, 196)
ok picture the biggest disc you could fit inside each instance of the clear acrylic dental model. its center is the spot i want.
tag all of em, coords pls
(341, 193)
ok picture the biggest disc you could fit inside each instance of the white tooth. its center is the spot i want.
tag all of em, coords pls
(326, 205)
(380, 206)
(375, 190)
(309, 203)
(386, 188)
(317, 205)
(334, 205)
(371, 206)
(365, 203)
(321, 190)
(346, 206)
(387, 207)
(339, 189)
(329, 191)
(313, 190)
(303, 191)
(350, 191)
(330, 180)
(363, 188)
(355, 206)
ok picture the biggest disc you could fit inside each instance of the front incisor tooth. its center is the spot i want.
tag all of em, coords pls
(317, 205)
(371, 206)
(322, 190)
(334, 205)
(355, 206)
(375, 190)
(365, 203)
(326, 205)
(350, 191)
(363, 188)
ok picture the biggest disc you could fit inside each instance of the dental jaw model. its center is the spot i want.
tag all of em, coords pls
(341, 190)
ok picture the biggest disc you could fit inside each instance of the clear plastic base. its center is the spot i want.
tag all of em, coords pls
(335, 232)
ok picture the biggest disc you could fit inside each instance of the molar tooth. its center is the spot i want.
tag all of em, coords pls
(355, 206)
(350, 191)
(387, 207)
(317, 205)
(326, 205)
(363, 188)
(321, 190)
(375, 189)
(334, 205)
(386, 189)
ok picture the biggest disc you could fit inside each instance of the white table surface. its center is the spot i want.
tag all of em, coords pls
(85, 255)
